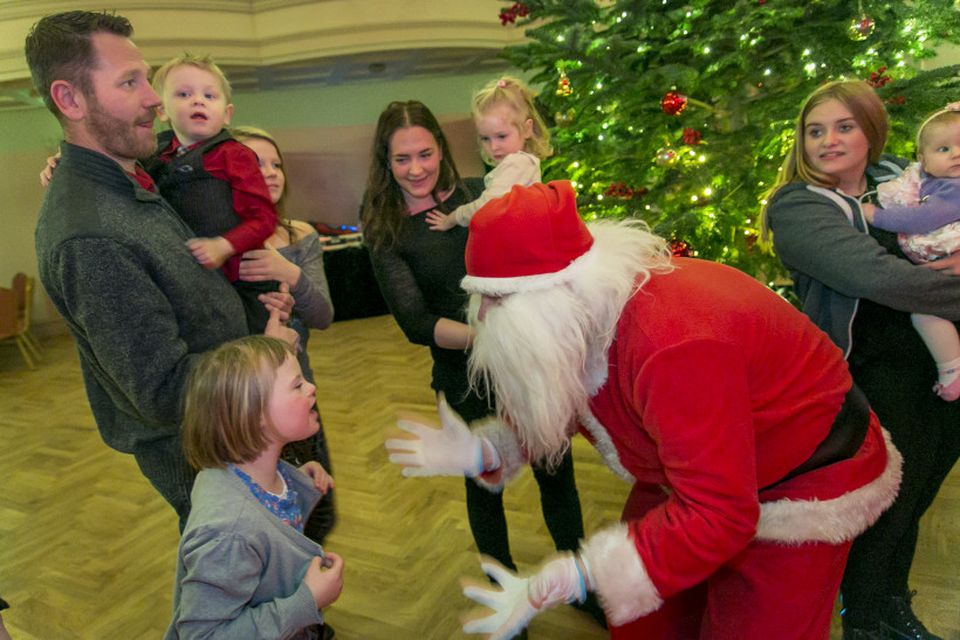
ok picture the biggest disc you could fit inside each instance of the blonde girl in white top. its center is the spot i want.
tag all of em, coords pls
(512, 136)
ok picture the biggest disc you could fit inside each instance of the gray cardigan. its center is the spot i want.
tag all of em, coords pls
(240, 568)
(823, 239)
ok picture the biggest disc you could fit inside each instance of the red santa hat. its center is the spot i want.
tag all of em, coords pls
(530, 239)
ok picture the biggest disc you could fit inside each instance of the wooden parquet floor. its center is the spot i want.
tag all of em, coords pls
(87, 548)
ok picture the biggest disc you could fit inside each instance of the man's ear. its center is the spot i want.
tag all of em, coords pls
(227, 114)
(69, 100)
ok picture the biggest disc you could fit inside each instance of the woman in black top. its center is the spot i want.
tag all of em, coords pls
(419, 273)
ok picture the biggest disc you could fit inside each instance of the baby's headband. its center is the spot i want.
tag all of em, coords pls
(953, 106)
(503, 83)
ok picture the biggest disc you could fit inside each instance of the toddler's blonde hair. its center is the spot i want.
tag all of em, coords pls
(518, 96)
(189, 60)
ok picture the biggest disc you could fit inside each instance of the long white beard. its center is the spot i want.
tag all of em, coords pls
(543, 352)
(531, 350)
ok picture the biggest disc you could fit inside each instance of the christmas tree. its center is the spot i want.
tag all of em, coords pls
(680, 112)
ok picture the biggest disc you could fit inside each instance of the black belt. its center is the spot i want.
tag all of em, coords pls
(846, 435)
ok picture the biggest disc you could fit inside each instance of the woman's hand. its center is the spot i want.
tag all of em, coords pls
(268, 264)
(324, 578)
(869, 211)
(950, 264)
(322, 480)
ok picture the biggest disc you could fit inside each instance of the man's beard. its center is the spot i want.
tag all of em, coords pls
(532, 349)
(120, 138)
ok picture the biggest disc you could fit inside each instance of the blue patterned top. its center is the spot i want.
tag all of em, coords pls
(286, 507)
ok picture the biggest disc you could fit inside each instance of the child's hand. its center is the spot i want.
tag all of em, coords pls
(210, 252)
(322, 480)
(440, 221)
(276, 329)
(47, 174)
(325, 583)
(869, 211)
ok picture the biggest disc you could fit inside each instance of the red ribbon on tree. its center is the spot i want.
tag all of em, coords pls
(624, 191)
(691, 137)
(878, 79)
(510, 15)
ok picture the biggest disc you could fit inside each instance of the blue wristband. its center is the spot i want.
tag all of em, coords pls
(478, 468)
(581, 598)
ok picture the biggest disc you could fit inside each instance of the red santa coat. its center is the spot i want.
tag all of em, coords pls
(716, 387)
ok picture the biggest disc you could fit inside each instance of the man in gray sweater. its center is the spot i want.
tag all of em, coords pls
(111, 252)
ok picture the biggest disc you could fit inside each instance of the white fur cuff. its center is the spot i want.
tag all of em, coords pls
(504, 440)
(619, 578)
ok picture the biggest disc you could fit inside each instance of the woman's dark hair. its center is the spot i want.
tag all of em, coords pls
(59, 47)
(383, 205)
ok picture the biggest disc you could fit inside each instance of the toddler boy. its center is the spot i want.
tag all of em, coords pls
(213, 181)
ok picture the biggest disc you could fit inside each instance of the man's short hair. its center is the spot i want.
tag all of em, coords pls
(60, 47)
(200, 62)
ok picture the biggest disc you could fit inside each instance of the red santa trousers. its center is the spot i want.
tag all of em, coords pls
(769, 590)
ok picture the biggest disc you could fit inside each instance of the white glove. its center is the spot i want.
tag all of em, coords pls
(511, 606)
(449, 451)
(560, 580)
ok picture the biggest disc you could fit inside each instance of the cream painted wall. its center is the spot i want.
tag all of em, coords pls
(325, 133)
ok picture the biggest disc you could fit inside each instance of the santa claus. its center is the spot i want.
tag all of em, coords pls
(754, 459)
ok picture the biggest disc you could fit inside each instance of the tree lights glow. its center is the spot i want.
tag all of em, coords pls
(699, 173)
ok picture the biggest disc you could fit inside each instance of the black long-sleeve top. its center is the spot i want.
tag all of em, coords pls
(419, 276)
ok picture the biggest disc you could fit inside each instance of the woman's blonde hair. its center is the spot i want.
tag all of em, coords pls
(868, 111)
(256, 133)
(228, 392)
(519, 97)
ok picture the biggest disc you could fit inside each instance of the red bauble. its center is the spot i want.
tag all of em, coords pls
(673, 103)
(680, 248)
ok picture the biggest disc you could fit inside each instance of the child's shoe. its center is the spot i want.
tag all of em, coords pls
(949, 391)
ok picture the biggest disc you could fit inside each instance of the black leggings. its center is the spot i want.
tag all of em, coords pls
(926, 430)
(559, 500)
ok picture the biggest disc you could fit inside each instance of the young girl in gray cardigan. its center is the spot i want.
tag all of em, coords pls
(244, 567)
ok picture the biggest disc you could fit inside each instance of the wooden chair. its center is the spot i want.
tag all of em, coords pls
(23, 292)
(10, 324)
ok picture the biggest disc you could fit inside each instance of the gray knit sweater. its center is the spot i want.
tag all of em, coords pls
(111, 256)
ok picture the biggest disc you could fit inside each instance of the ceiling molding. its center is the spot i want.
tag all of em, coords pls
(264, 44)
